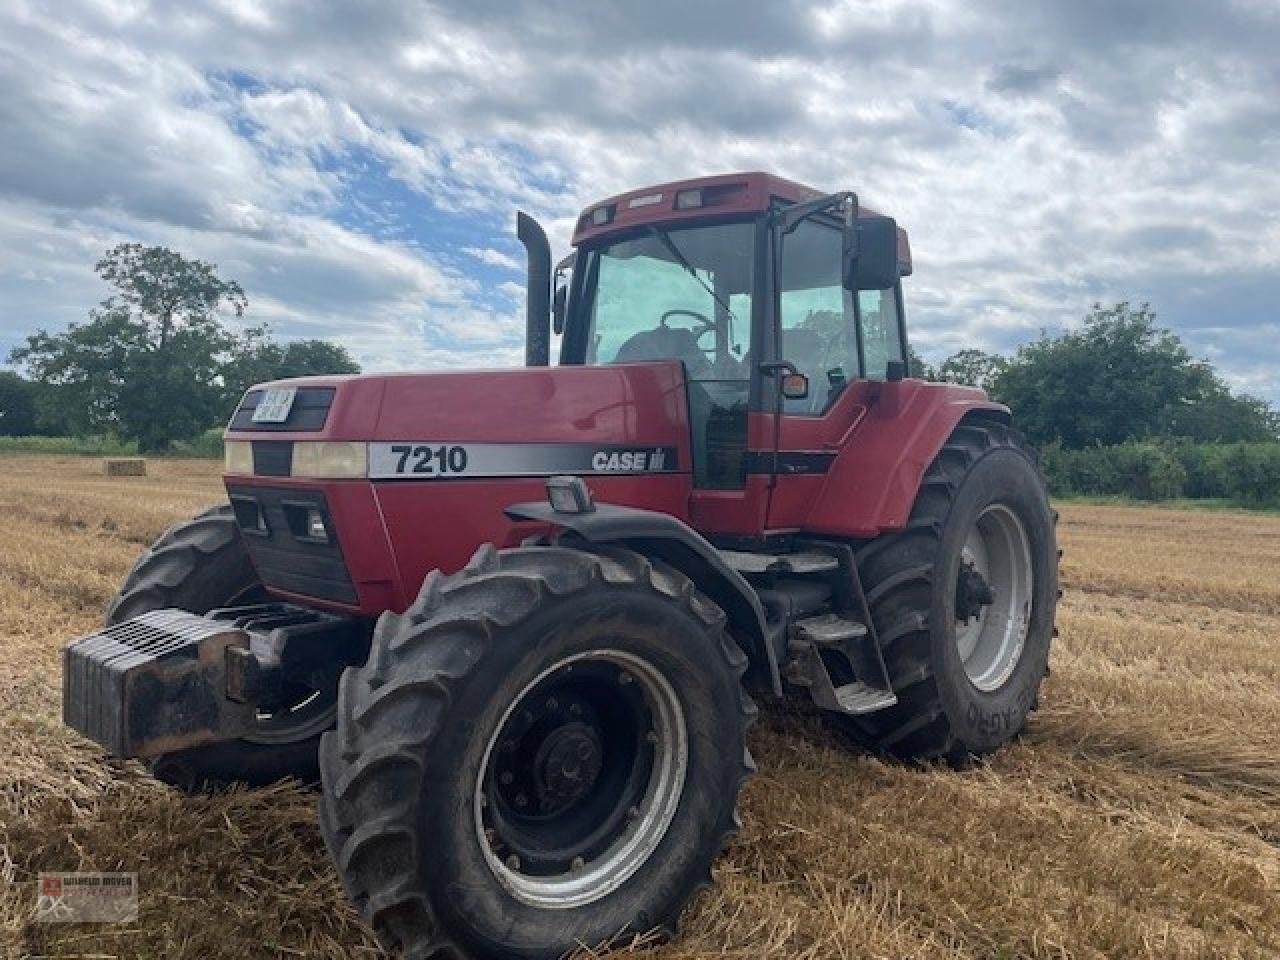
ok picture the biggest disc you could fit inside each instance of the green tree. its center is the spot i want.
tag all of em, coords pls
(1122, 377)
(148, 363)
(256, 359)
(916, 367)
(973, 368)
(17, 405)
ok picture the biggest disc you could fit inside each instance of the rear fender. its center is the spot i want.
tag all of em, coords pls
(666, 538)
(872, 485)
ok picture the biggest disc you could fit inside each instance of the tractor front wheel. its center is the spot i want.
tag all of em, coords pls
(545, 750)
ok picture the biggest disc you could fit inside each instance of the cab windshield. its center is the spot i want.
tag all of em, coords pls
(678, 294)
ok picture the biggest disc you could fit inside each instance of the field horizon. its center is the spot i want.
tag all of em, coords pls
(1138, 816)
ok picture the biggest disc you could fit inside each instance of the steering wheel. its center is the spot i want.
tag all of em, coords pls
(700, 330)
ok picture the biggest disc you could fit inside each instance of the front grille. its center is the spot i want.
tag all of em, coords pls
(310, 410)
(283, 555)
(272, 458)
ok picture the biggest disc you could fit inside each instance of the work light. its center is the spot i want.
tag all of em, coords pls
(238, 457)
(689, 199)
(569, 495)
(329, 460)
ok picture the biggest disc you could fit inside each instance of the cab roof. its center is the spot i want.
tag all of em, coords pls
(728, 194)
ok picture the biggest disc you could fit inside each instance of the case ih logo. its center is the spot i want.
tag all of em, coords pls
(628, 461)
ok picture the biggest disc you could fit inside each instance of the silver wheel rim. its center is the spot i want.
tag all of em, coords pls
(310, 717)
(991, 644)
(651, 817)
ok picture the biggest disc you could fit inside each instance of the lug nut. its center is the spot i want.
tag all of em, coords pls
(575, 709)
(651, 737)
(552, 703)
(624, 678)
(577, 863)
(521, 800)
(513, 862)
(633, 812)
(491, 836)
(506, 778)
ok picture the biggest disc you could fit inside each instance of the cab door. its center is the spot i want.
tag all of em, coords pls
(843, 342)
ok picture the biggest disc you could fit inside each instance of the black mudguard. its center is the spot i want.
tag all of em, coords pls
(666, 538)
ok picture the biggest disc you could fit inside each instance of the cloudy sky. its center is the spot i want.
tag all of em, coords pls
(357, 166)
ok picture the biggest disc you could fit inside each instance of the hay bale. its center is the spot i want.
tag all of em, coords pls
(126, 467)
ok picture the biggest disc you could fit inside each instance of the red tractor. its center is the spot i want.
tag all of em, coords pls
(517, 618)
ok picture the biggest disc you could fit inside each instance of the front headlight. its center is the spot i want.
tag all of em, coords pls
(238, 457)
(329, 460)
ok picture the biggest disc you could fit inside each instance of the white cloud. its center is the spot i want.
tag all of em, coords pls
(495, 258)
(1042, 155)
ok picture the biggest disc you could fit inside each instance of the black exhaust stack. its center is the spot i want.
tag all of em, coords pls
(537, 337)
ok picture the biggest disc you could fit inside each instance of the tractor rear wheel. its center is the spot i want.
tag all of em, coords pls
(545, 750)
(198, 566)
(963, 600)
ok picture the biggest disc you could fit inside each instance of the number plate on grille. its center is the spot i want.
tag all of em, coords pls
(275, 405)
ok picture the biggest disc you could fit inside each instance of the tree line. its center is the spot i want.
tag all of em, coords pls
(1118, 378)
(1117, 404)
(156, 362)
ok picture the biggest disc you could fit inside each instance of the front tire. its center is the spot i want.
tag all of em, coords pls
(200, 565)
(545, 750)
(963, 601)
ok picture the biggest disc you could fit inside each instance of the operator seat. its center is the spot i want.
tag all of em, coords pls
(665, 343)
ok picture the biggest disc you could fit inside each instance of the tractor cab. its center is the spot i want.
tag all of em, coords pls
(773, 297)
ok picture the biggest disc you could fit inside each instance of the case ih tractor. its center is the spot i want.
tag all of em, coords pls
(518, 617)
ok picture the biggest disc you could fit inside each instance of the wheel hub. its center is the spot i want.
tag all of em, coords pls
(972, 593)
(567, 765)
(994, 587)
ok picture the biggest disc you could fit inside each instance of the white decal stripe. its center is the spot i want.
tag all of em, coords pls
(443, 460)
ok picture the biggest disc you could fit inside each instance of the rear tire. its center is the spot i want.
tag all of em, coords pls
(964, 688)
(419, 811)
(198, 566)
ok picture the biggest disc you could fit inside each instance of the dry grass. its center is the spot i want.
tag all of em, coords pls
(1139, 817)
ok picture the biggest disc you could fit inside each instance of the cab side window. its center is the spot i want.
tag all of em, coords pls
(881, 332)
(816, 315)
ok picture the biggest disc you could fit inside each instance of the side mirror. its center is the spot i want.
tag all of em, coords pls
(871, 254)
(558, 304)
(560, 299)
(895, 370)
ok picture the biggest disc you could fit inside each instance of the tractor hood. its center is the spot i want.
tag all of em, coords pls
(509, 421)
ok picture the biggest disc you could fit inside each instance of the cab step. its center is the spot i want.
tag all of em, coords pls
(849, 640)
(859, 698)
(831, 629)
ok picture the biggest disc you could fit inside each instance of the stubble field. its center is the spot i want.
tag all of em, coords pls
(1138, 817)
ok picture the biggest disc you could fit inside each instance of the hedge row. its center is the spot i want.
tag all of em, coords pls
(205, 445)
(1246, 473)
